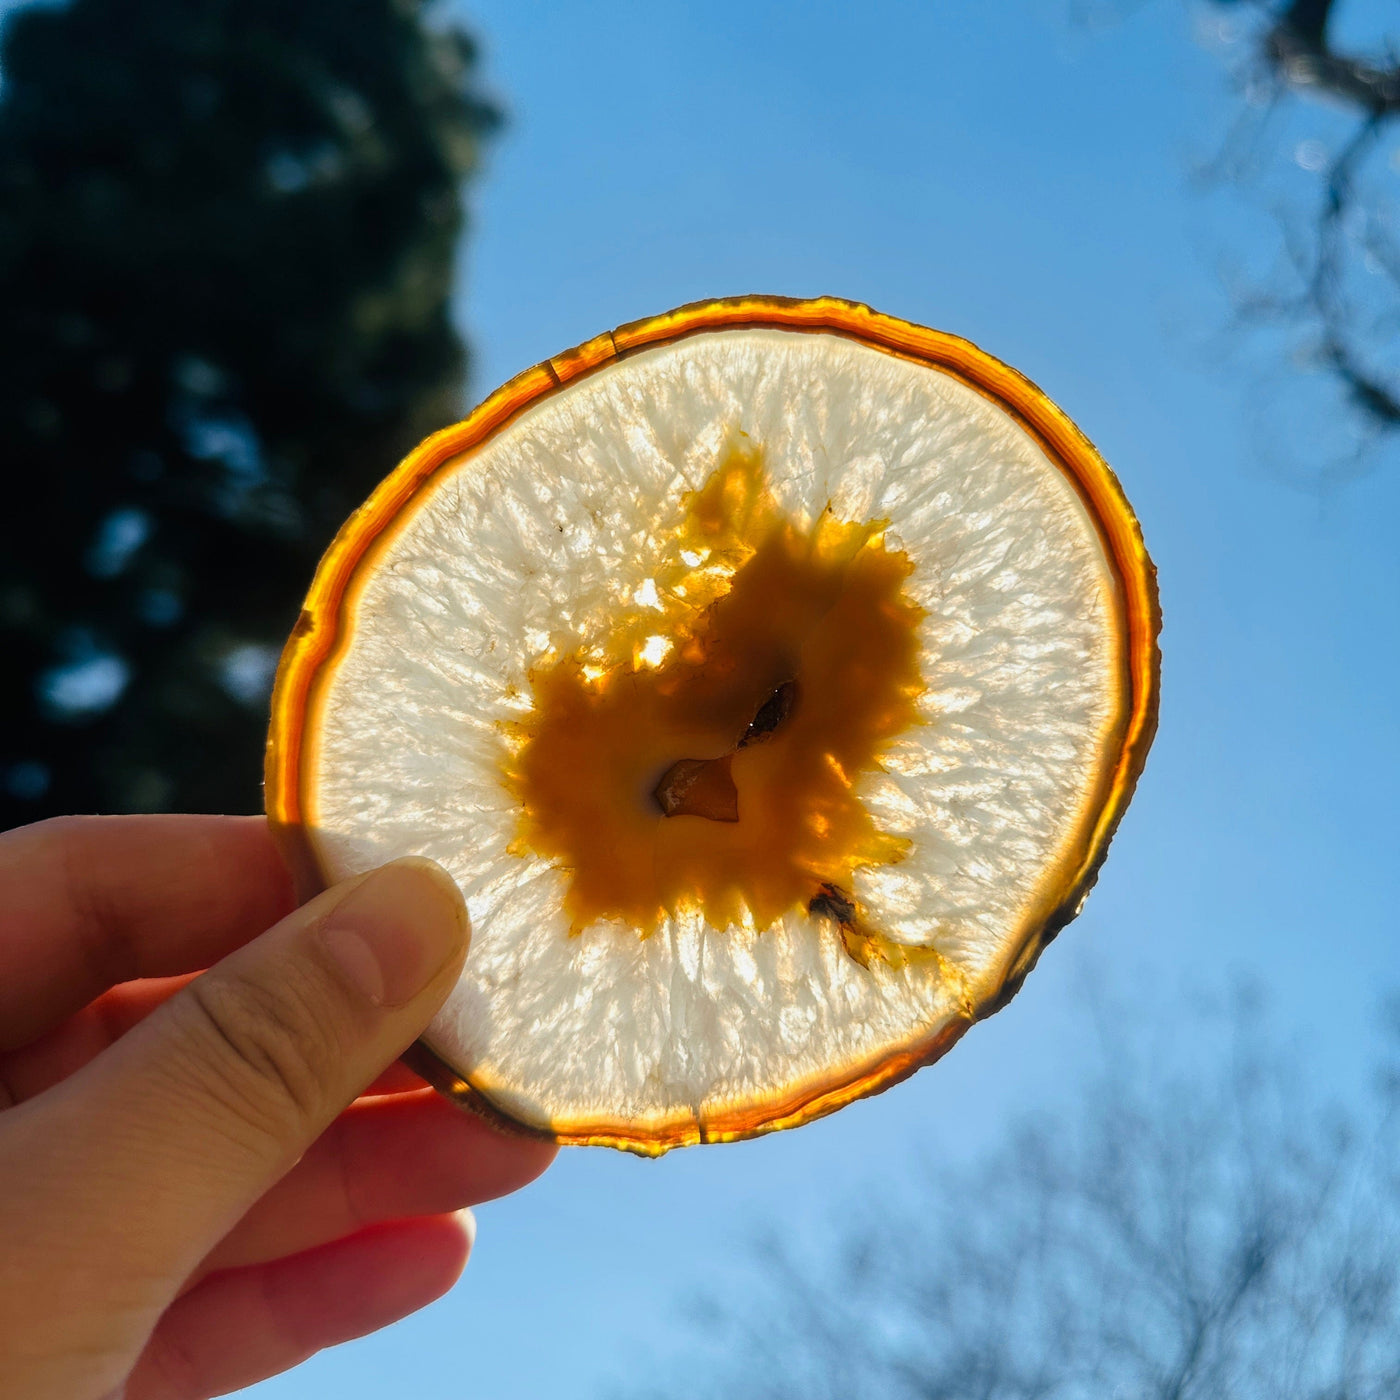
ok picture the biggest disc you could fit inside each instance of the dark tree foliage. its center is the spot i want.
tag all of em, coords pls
(227, 241)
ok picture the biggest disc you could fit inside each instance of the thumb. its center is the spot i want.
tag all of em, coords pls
(195, 1113)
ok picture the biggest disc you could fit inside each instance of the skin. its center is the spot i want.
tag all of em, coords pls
(206, 1176)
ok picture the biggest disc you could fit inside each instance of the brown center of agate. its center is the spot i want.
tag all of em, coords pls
(712, 765)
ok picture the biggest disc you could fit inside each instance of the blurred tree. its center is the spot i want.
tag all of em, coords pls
(1311, 146)
(1211, 1237)
(228, 232)
(1334, 290)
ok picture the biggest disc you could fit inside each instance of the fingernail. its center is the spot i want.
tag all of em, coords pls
(469, 1225)
(396, 930)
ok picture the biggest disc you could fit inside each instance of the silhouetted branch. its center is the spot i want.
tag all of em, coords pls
(1345, 271)
(1297, 47)
(1210, 1235)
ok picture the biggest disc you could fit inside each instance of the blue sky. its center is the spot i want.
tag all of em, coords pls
(997, 171)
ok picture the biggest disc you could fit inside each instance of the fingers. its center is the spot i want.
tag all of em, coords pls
(163, 1143)
(87, 902)
(65, 1049)
(71, 1044)
(383, 1159)
(397, 1079)
(240, 1327)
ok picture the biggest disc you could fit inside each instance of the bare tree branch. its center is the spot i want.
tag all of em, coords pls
(1343, 289)
(1297, 46)
(1212, 1235)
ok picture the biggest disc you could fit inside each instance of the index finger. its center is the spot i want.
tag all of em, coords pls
(87, 902)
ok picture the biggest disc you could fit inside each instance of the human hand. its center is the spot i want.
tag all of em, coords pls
(187, 1204)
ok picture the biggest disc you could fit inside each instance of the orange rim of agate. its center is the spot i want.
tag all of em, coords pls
(324, 630)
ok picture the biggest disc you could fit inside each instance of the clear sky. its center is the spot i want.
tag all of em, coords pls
(996, 171)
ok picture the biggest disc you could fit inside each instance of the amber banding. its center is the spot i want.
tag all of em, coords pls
(720, 776)
(326, 627)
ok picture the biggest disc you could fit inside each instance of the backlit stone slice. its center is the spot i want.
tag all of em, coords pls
(556, 539)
